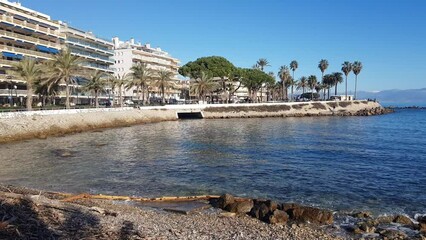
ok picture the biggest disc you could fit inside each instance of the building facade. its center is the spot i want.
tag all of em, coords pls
(97, 55)
(23, 33)
(128, 53)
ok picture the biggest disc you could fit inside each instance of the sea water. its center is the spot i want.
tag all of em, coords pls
(375, 163)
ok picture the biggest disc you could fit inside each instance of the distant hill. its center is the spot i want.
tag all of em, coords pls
(410, 96)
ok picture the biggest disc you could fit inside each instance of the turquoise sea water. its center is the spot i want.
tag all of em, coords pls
(375, 163)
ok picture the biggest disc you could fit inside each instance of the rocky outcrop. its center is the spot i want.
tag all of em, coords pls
(272, 212)
(308, 214)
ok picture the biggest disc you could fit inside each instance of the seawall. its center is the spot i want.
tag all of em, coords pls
(41, 124)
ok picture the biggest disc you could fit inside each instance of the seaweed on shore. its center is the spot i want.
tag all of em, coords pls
(319, 106)
(299, 106)
(345, 104)
(266, 108)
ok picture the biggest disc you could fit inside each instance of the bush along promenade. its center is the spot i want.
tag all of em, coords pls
(34, 214)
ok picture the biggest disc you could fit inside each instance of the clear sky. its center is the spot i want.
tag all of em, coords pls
(387, 36)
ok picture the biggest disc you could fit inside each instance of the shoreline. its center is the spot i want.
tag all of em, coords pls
(225, 217)
(29, 125)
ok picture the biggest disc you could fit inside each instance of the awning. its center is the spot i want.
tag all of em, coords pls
(43, 49)
(47, 49)
(12, 55)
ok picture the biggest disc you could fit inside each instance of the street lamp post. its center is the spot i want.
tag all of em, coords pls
(16, 92)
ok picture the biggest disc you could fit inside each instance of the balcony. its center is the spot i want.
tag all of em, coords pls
(7, 63)
(87, 45)
(33, 40)
(9, 78)
(91, 56)
(87, 36)
(36, 28)
(13, 92)
(25, 52)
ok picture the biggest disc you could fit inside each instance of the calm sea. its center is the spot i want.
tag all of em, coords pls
(373, 163)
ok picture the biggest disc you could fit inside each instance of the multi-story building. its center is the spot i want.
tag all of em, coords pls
(96, 53)
(23, 33)
(128, 53)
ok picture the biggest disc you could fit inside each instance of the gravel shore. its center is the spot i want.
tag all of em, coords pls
(28, 214)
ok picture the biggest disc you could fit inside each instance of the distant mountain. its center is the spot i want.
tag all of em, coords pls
(405, 97)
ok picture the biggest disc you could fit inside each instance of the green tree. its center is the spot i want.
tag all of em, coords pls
(323, 65)
(284, 75)
(328, 82)
(254, 79)
(312, 83)
(163, 81)
(64, 67)
(338, 78)
(202, 86)
(356, 68)
(346, 69)
(97, 83)
(293, 66)
(141, 79)
(302, 84)
(30, 71)
(213, 66)
(291, 83)
(119, 81)
(262, 63)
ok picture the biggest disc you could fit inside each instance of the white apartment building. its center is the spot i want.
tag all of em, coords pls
(96, 53)
(23, 33)
(128, 53)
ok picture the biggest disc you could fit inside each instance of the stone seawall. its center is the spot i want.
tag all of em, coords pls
(28, 125)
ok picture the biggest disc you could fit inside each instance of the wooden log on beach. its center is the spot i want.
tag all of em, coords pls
(70, 198)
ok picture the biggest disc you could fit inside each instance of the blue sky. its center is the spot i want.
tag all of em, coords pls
(387, 36)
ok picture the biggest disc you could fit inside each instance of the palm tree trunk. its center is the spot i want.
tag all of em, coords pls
(335, 89)
(120, 95)
(163, 100)
(291, 97)
(29, 97)
(356, 80)
(67, 95)
(328, 93)
(346, 88)
(96, 99)
(143, 94)
(303, 90)
(323, 93)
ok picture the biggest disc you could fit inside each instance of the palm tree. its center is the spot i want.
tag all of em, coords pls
(29, 71)
(337, 78)
(346, 69)
(312, 83)
(284, 75)
(45, 92)
(164, 80)
(119, 81)
(203, 85)
(141, 78)
(302, 84)
(293, 66)
(96, 84)
(356, 68)
(64, 67)
(291, 83)
(262, 63)
(323, 65)
(328, 82)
